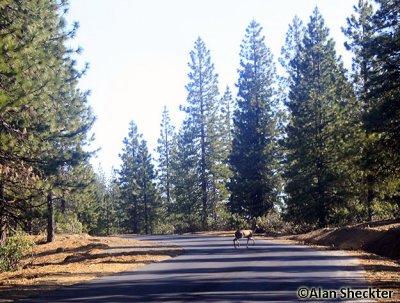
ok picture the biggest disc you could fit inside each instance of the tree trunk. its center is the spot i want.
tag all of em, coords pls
(135, 216)
(3, 230)
(3, 218)
(370, 195)
(50, 218)
(63, 205)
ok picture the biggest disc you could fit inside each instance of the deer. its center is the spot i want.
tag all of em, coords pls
(243, 233)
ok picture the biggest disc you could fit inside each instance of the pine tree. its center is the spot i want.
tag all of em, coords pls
(44, 117)
(220, 138)
(384, 117)
(254, 188)
(147, 190)
(382, 121)
(185, 178)
(136, 178)
(202, 110)
(321, 129)
(360, 31)
(164, 150)
(226, 112)
(128, 178)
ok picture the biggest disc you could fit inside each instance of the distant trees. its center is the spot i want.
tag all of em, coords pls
(234, 159)
(326, 164)
(136, 179)
(164, 150)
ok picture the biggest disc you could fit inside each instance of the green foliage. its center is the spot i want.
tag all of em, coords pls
(45, 118)
(322, 129)
(13, 250)
(199, 171)
(254, 158)
(137, 184)
(339, 153)
(68, 224)
(164, 150)
(239, 222)
(374, 77)
(273, 224)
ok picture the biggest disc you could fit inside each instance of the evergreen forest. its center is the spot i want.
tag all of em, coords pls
(313, 146)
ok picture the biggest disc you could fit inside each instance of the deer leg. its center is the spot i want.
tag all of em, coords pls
(236, 241)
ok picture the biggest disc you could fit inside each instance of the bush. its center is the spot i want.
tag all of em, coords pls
(273, 224)
(13, 250)
(68, 224)
(238, 222)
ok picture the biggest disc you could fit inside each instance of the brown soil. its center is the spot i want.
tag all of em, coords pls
(381, 238)
(375, 244)
(76, 258)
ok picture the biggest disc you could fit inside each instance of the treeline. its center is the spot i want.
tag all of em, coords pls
(314, 147)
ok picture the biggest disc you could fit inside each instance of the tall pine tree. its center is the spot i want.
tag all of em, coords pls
(319, 143)
(254, 184)
(137, 177)
(202, 115)
(128, 179)
(383, 120)
(360, 31)
(164, 150)
(44, 117)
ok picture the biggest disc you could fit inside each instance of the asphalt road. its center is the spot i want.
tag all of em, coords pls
(211, 270)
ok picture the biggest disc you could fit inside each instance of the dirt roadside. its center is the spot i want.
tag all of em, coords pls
(73, 259)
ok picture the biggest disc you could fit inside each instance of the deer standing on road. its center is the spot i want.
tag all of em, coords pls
(243, 233)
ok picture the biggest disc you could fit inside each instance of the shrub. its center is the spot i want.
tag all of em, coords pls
(68, 224)
(236, 221)
(13, 250)
(273, 224)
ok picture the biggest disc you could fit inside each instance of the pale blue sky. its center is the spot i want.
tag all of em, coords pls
(138, 52)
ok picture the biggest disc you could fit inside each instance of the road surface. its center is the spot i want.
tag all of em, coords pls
(211, 270)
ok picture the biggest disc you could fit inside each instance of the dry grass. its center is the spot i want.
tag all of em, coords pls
(77, 258)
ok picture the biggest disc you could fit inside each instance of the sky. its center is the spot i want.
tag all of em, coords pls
(138, 52)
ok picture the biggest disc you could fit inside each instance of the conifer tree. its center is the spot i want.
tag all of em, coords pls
(320, 132)
(44, 117)
(148, 195)
(128, 178)
(254, 186)
(202, 111)
(184, 175)
(384, 117)
(226, 112)
(383, 120)
(164, 150)
(136, 178)
(360, 31)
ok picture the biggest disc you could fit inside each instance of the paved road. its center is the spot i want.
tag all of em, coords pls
(211, 270)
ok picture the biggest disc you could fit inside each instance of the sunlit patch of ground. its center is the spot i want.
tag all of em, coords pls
(77, 258)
